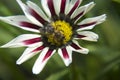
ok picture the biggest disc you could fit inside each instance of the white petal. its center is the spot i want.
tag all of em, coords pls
(79, 49)
(16, 20)
(40, 62)
(89, 6)
(17, 42)
(90, 36)
(26, 9)
(71, 4)
(83, 9)
(45, 7)
(67, 60)
(38, 10)
(57, 5)
(28, 53)
(67, 6)
(95, 20)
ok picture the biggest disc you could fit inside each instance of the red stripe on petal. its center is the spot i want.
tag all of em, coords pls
(80, 36)
(51, 7)
(48, 54)
(29, 25)
(74, 7)
(31, 41)
(86, 25)
(37, 16)
(39, 48)
(75, 46)
(65, 53)
(80, 14)
(62, 9)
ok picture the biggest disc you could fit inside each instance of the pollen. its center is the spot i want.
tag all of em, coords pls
(62, 33)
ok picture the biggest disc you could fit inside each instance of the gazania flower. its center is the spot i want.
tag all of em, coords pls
(57, 29)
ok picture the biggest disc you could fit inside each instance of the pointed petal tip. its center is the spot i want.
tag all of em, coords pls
(36, 71)
(95, 40)
(66, 55)
(9, 45)
(104, 16)
(4, 46)
(2, 18)
(92, 4)
(18, 63)
(42, 60)
(68, 63)
(85, 51)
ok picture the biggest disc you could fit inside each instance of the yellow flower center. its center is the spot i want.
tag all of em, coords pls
(60, 33)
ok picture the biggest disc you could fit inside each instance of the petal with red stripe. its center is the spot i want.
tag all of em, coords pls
(57, 5)
(79, 12)
(74, 4)
(45, 55)
(24, 40)
(46, 8)
(77, 48)
(21, 22)
(38, 10)
(87, 35)
(79, 36)
(66, 55)
(51, 7)
(29, 52)
(32, 41)
(64, 6)
(89, 23)
(32, 14)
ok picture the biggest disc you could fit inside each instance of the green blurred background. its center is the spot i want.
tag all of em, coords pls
(102, 62)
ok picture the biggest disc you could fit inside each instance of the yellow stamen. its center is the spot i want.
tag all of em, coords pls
(62, 33)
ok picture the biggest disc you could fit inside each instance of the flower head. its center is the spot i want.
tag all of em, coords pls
(57, 30)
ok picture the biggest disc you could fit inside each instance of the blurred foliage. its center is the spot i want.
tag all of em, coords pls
(102, 62)
(117, 1)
